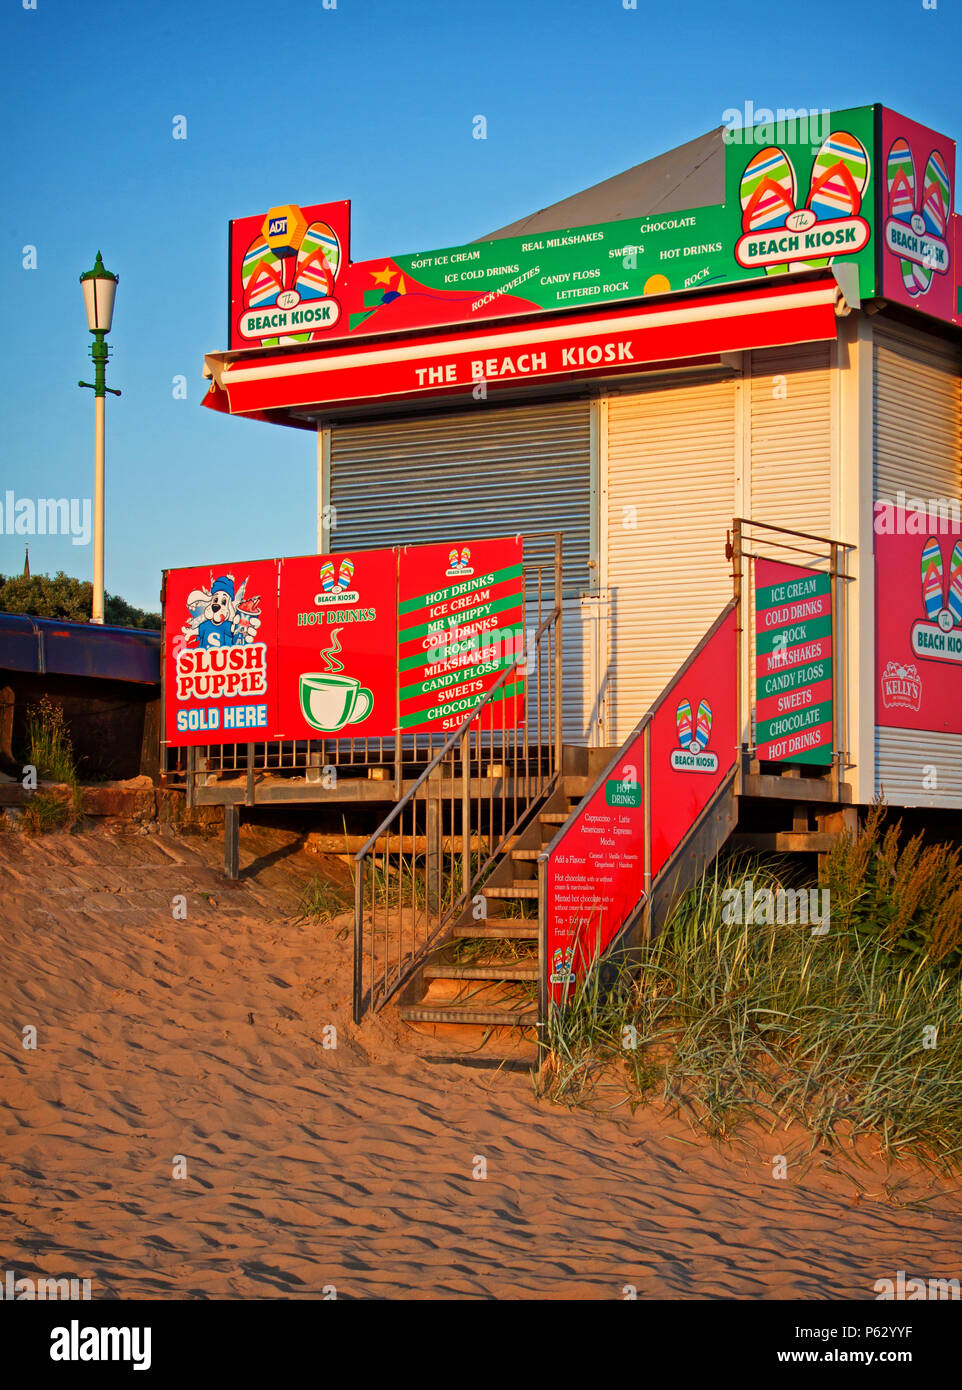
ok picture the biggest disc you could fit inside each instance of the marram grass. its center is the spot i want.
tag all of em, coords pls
(729, 1021)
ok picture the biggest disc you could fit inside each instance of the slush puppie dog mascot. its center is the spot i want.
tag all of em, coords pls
(219, 618)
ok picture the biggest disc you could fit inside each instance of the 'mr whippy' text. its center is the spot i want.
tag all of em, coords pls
(221, 673)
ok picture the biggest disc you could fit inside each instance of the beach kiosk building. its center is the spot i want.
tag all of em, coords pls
(714, 405)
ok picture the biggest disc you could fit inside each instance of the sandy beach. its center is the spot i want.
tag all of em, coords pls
(197, 1046)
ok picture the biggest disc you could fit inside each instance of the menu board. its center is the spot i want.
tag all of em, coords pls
(315, 646)
(793, 656)
(597, 873)
(460, 626)
(336, 635)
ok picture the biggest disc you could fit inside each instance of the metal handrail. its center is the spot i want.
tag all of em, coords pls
(639, 728)
(469, 718)
(408, 883)
(787, 531)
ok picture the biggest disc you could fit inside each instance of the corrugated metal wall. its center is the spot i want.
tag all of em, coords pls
(790, 426)
(480, 472)
(908, 760)
(670, 500)
(916, 415)
(674, 454)
(918, 432)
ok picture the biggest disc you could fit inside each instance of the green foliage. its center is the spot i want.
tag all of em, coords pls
(45, 811)
(727, 1021)
(904, 895)
(70, 600)
(321, 901)
(49, 746)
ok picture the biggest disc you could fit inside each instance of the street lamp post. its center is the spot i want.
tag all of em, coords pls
(99, 287)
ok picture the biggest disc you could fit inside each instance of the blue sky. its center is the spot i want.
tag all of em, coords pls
(371, 101)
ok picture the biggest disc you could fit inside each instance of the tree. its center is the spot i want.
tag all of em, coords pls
(70, 600)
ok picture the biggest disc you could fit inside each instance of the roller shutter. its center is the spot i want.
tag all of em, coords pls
(483, 472)
(670, 500)
(916, 416)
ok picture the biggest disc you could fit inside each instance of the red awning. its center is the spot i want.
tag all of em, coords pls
(553, 348)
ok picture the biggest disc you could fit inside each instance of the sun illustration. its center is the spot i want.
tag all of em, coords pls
(657, 284)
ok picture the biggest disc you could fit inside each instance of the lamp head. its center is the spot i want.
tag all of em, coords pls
(99, 287)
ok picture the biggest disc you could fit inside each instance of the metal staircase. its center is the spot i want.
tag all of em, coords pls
(464, 907)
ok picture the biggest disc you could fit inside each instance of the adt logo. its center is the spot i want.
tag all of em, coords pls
(278, 226)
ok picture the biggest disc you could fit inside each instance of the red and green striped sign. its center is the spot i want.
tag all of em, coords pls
(793, 664)
(460, 626)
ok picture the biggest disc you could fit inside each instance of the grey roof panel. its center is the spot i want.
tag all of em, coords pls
(690, 176)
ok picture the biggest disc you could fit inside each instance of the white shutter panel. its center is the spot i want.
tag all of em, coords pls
(671, 489)
(790, 438)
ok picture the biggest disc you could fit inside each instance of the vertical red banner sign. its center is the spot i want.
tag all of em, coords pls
(597, 873)
(918, 617)
(336, 635)
(693, 738)
(794, 699)
(917, 193)
(220, 662)
(460, 625)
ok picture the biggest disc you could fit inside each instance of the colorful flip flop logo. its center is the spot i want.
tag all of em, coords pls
(459, 565)
(562, 959)
(297, 267)
(691, 755)
(946, 610)
(939, 635)
(776, 232)
(916, 225)
(337, 589)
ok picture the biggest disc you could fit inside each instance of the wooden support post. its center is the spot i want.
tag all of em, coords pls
(313, 772)
(231, 838)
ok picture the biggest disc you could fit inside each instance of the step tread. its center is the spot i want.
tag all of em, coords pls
(503, 928)
(481, 972)
(512, 890)
(811, 789)
(528, 855)
(787, 841)
(498, 1018)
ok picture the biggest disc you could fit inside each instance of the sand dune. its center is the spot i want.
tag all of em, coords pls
(310, 1168)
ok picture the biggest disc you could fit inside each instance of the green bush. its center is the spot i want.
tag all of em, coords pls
(726, 1020)
(904, 895)
(49, 746)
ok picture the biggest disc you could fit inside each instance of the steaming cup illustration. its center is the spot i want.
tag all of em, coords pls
(329, 702)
